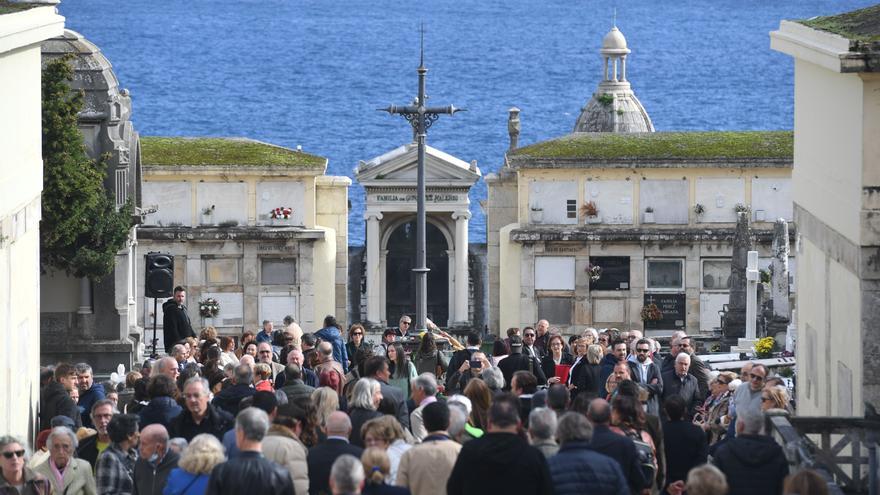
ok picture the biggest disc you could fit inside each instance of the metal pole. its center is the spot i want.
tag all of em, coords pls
(421, 270)
(155, 353)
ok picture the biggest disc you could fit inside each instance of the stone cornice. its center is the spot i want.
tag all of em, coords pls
(247, 233)
(29, 27)
(589, 234)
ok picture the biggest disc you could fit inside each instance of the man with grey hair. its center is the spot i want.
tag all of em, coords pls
(168, 366)
(542, 430)
(101, 414)
(346, 475)
(753, 463)
(200, 416)
(679, 382)
(457, 420)
(680, 342)
(89, 392)
(577, 468)
(424, 391)
(250, 472)
(328, 365)
(295, 356)
(264, 355)
(230, 397)
(494, 379)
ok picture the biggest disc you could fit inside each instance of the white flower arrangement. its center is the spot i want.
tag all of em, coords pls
(209, 308)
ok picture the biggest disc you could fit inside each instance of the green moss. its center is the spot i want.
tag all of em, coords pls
(605, 99)
(665, 145)
(858, 25)
(7, 7)
(223, 151)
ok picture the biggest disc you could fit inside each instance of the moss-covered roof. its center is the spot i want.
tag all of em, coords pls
(7, 7)
(858, 25)
(663, 146)
(181, 151)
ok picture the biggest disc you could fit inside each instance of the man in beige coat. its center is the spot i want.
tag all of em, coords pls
(283, 447)
(66, 473)
(426, 467)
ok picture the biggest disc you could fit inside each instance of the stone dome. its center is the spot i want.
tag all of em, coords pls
(614, 106)
(614, 41)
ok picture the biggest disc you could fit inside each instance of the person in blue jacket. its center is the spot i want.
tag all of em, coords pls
(331, 333)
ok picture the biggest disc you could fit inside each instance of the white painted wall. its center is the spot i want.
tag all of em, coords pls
(613, 198)
(773, 197)
(230, 200)
(826, 176)
(174, 200)
(718, 197)
(669, 198)
(21, 182)
(552, 197)
(510, 280)
(554, 273)
(276, 194)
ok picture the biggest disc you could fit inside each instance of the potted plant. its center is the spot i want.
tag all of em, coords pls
(699, 209)
(741, 208)
(649, 215)
(591, 211)
(208, 215)
(650, 312)
(537, 214)
(595, 272)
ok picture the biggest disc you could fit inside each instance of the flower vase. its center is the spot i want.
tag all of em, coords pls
(280, 222)
(594, 219)
(649, 217)
(537, 216)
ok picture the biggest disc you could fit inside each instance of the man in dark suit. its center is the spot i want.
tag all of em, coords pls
(679, 382)
(688, 448)
(618, 447)
(681, 343)
(517, 361)
(647, 374)
(321, 456)
(175, 320)
(376, 367)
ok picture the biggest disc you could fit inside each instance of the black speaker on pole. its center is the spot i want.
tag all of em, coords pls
(159, 280)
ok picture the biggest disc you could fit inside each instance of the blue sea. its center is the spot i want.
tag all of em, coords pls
(313, 73)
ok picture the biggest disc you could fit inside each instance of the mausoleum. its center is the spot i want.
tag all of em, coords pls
(602, 224)
(258, 227)
(390, 184)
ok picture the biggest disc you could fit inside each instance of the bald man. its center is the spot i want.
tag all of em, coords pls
(168, 366)
(321, 456)
(155, 462)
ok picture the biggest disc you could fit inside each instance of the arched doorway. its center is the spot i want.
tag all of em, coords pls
(400, 280)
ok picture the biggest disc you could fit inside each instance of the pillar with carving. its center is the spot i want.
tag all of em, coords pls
(461, 267)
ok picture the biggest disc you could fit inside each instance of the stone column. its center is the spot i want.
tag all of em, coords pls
(373, 267)
(85, 296)
(461, 266)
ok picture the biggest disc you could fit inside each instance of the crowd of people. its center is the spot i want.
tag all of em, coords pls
(285, 411)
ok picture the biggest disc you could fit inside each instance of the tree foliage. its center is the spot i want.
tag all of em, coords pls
(81, 230)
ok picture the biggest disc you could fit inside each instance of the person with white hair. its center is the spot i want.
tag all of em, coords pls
(197, 460)
(424, 391)
(542, 431)
(15, 477)
(679, 382)
(346, 475)
(250, 472)
(66, 473)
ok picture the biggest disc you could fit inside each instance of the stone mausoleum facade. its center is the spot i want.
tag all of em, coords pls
(214, 200)
(655, 211)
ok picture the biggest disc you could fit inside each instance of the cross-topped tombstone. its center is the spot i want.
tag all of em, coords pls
(421, 117)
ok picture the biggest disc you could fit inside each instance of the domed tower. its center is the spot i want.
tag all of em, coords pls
(614, 107)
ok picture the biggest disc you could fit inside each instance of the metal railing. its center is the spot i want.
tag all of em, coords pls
(842, 450)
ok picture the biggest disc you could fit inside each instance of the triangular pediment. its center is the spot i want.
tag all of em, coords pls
(399, 167)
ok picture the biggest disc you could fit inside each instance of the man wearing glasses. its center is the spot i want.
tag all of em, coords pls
(647, 374)
(404, 325)
(681, 342)
(747, 399)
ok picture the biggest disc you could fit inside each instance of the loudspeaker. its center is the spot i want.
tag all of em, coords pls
(159, 280)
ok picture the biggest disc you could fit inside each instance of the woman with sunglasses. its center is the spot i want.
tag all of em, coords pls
(17, 479)
(355, 343)
(717, 406)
